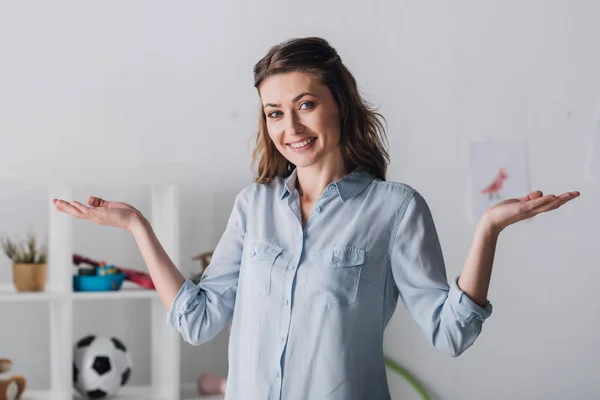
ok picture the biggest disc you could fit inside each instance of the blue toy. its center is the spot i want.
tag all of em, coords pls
(97, 283)
(101, 279)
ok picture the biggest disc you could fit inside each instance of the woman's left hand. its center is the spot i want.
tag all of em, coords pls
(509, 211)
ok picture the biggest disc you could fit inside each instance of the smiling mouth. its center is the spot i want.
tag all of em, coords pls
(302, 144)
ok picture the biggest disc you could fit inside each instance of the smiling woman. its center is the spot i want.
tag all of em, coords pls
(307, 93)
(320, 248)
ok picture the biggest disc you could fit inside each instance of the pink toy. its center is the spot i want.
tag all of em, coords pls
(210, 385)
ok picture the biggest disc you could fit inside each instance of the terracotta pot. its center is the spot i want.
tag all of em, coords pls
(29, 277)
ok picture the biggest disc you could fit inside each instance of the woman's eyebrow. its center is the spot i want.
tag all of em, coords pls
(295, 99)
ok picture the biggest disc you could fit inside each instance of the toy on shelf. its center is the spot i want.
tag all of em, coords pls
(101, 366)
(101, 279)
(211, 384)
(13, 387)
(97, 275)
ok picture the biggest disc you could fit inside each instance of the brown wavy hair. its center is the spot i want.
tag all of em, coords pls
(362, 135)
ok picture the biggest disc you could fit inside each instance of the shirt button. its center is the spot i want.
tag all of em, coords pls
(277, 374)
(331, 188)
(282, 340)
(287, 302)
(318, 209)
(292, 266)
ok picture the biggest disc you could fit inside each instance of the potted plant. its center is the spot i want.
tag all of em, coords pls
(29, 263)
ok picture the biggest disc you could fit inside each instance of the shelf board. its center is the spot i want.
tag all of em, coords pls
(8, 294)
(37, 395)
(124, 293)
(133, 393)
(126, 393)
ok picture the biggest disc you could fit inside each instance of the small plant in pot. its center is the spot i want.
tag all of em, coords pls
(28, 263)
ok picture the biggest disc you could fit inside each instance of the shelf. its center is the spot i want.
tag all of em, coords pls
(8, 294)
(37, 395)
(164, 359)
(126, 393)
(127, 291)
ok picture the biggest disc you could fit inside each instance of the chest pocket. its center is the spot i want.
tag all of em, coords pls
(334, 274)
(262, 258)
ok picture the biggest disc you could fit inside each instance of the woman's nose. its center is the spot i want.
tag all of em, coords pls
(293, 125)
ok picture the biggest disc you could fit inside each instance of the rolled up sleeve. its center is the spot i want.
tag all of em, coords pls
(465, 308)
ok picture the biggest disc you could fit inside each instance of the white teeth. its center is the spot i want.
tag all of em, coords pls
(302, 144)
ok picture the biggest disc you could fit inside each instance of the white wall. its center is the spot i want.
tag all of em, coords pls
(143, 91)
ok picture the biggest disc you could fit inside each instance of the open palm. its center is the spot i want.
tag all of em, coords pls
(509, 211)
(99, 211)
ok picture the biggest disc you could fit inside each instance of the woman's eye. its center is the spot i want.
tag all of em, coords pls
(307, 105)
(274, 114)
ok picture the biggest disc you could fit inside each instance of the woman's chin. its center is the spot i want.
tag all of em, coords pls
(303, 163)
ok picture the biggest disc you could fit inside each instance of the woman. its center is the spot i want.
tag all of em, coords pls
(318, 250)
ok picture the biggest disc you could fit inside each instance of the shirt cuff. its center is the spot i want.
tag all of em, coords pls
(465, 308)
(185, 299)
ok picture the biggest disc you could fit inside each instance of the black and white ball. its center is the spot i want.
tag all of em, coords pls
(101, 366)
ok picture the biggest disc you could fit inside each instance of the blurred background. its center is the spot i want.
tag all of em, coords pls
(116, 96)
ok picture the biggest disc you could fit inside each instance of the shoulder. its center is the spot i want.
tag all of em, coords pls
(403, 196)
(395, 190)
(255, 189)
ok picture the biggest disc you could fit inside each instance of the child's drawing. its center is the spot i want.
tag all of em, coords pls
(499, 171)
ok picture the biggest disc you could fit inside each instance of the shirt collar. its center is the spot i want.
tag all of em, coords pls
(347, 187)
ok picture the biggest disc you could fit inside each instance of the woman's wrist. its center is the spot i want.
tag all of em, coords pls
(138, 223)
(487, 227)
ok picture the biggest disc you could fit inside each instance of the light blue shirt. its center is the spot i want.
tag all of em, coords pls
(309, 306)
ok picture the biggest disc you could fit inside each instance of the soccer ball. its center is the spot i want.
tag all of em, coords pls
(101, 366)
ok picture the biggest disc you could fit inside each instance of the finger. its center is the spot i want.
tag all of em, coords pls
(558, 202)
(539, 202)
(68, 208)
(574, 194)
(101, 203)
(533, 195)
(529, 208)
(83, 209)
(552, 206)
(96, 201)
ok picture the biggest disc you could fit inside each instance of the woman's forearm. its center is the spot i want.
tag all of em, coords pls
(166, 276)
(475, 277)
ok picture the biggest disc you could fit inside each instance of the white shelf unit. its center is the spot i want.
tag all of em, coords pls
(59, 296)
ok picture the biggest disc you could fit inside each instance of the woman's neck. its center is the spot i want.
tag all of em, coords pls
(312, 180)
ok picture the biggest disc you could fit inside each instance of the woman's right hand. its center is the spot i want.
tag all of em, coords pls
(102, 212)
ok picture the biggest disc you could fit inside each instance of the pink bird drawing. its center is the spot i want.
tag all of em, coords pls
(493, 189)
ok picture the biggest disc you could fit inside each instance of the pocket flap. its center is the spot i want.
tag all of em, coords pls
(262, 250)
(340, 256)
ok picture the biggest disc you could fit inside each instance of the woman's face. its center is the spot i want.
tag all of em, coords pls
(302, 117)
